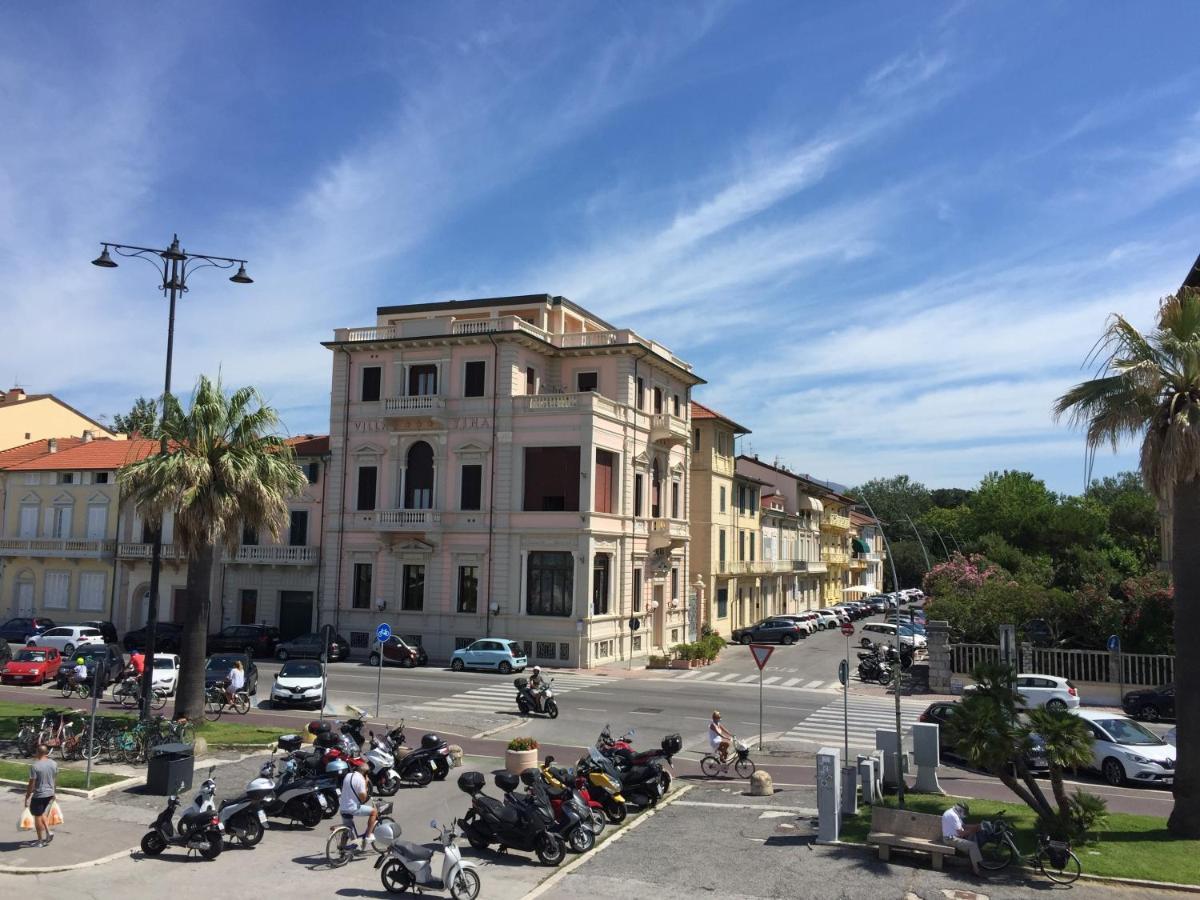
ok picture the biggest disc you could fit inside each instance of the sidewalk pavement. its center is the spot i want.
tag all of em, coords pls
(92, 833)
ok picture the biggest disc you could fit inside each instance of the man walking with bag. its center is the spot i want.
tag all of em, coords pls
(39, 793)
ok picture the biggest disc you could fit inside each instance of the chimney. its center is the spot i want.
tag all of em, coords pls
(16, 393)
(52, 445)
(88, 435)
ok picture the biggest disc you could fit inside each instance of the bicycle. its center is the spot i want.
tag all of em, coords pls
(216, 702)
(1054, 859)
(128, 693)
(343, 839)
(72, 685)
(712, 765)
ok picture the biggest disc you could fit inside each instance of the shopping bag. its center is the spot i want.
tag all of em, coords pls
(54, 816)
(25, 821)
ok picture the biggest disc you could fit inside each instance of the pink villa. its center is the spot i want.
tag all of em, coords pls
(512, 467)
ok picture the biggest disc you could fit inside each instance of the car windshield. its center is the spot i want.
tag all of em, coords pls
(221, 663)
(31, 656)
(300, 670)
(164, 663)
(1126, 731)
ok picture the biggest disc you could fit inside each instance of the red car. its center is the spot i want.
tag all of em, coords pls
(32, 665)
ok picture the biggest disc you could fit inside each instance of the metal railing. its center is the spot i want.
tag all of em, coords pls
(1098, 666)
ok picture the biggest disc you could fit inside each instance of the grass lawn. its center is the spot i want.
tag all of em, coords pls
(1129, 846)
(67, 778)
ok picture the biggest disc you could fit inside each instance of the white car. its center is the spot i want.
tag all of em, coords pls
(299, 683)
(1124, 751)
(828, 617)
(166, 673)
(1049, 691)
(1169, 737)
(886, 633)
(809, 621)
(65, 638)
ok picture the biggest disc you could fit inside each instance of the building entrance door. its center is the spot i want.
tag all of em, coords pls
(660, 616)
(295, 614)
(24, 598)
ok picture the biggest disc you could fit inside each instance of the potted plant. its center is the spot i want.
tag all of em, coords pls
(683, 654)
(656, 662)
(522, 754)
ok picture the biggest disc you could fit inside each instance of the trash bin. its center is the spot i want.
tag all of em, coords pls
(170, 764)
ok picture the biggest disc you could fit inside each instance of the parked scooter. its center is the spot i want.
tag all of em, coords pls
(541, 702)
(405, 866)
(620, 751)
(572, 818)
(196, 830)
(295, 799)
(240, 817)
(604, 784)
(562, 778)
(528, 826)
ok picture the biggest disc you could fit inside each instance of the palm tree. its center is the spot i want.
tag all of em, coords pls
(223, 470)
(1148, 388)
(989, 733)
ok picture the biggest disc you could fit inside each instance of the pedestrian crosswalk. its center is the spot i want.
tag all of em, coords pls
(866, 714)
(502, 697)
(772, 680)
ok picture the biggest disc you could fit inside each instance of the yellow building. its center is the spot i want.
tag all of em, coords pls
(716, 520)
(835, 546)
(35, 417)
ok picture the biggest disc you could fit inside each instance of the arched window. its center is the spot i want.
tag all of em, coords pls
(418, 477)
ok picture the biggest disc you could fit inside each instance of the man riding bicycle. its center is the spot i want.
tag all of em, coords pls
(79, 674)
(353, 801)
(719, 737)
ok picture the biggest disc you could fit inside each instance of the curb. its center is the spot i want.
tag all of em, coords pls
(563, 871)
(78, 792)
(45, 870)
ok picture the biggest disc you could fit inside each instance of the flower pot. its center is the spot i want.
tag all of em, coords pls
(517, 761)
(680, 664)
(656, 664)
(696, 663)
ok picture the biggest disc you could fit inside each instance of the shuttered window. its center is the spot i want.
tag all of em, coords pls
(57, 590)
(91, 590)
(471, 491)
(551, 479)
(605, 464)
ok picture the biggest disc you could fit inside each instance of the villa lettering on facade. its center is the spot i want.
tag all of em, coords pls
(514, 467)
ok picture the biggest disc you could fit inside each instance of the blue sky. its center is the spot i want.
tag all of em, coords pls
(886, 234)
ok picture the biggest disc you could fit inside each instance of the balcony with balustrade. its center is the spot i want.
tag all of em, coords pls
(809, 567)
(55, 548)
(553, 403)
(834, 522)
(419, 405)
(835, 557)
(136, 551)
(667, 534)
(668, 430)
(274, 555)
(448, 326)
(408, 519)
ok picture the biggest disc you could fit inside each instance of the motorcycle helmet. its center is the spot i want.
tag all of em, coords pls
(537, 670)
(317, 727)
(470, 782)
(386, 832)
(507, 782)
(337, 767)
(430, 741)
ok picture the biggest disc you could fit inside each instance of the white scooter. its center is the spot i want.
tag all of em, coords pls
(405, 866)
(383, 765)
(241, 817)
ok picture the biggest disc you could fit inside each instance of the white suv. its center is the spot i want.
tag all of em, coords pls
(1125, 752)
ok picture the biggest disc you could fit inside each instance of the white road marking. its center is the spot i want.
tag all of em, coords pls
(771, 680)
(814, 684)
(790, 682)
(729, 677)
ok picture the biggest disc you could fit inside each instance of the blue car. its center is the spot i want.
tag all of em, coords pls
(500, 654)
(17, 630)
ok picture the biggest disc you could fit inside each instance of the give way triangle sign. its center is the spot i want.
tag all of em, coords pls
(761, 653)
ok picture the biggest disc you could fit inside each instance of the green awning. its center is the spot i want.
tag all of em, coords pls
(860, 545)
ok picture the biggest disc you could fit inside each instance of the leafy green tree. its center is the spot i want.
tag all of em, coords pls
(224, 469)
(1148, 388)
(989, 733)
(141, 419)
(949, 498)
(894, 500)
(1015, 505)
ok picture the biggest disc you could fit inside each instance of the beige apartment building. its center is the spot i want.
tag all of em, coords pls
(72, 549)
(867, 552)
(513, 467)
(835, 546)
(34, 417)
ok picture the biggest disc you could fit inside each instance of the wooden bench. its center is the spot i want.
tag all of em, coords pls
(902, 829)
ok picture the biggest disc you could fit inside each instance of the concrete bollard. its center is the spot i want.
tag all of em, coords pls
(849, 790)
(895, 763)
(456, 755)
(829, 789)
(199, 747)
(761, 784)
(927, 751)
(866, 775)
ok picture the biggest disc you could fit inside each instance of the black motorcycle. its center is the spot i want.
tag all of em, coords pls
(200, 831)
(873, 667)
(296, 799)
(526, 825)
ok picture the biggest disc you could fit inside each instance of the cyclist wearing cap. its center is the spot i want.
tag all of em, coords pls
(719, 736)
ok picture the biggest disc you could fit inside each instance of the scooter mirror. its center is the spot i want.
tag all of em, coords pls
(433, 823)
(549, 760)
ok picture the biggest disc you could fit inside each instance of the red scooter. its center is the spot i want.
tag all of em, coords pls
(560, 781)
(621, 751)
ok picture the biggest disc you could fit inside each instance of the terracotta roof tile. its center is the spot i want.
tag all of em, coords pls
(309, 444)
(700, 411)
(24, 452)
(102, 453)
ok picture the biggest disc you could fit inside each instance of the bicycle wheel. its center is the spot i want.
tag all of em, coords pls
(241, 704)
(186, 733)
(213, 709)
(340, 847)
(710, 766)
(1065, 873)
(158, 700)
(744, 767)
(89, 749)
(997, 853)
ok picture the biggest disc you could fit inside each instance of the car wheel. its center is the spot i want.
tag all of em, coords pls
(68, 649)
(787, 639)
(505, 667)
(1149, 712)
(407, 663)
(281, 655)
(1058, 706)
(1113, 771)
(456, 665)
(745, 639)
(373, 659)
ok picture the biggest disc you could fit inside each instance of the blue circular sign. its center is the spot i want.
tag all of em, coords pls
(1114, 643)
(383, 632)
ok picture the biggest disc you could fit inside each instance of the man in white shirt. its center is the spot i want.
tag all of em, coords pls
(353, 802)
(961, 836)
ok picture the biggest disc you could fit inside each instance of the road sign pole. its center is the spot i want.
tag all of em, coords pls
(846, 704)
(760, 708)
(382, 634)
(91, 738)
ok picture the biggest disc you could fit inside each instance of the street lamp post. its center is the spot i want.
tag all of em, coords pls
(174, 265)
